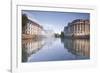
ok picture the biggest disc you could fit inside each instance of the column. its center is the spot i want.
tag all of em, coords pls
(76, 28)
(84, 27)
(80, 28)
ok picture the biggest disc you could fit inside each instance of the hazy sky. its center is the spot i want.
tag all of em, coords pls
(54, 21)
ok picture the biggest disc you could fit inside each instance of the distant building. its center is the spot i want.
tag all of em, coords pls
(77, 28)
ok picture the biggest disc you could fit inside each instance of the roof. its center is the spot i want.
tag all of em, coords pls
(34, 23)
(79, 20)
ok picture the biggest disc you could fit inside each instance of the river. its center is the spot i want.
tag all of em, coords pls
(55, 49)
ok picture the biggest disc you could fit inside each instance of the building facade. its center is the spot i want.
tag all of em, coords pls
(78, 28)
(31, 29)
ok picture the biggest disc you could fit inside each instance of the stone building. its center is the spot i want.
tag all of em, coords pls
(31, 29)
(78, 28)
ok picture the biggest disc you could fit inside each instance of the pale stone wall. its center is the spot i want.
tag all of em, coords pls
(77, 28)
(32, 29)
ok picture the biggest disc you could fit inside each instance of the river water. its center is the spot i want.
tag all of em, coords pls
(55, 49)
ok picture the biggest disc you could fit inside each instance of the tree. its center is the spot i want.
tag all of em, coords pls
(24, 20)
(62, 34)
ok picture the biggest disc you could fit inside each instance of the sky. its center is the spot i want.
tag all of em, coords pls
(54, 21)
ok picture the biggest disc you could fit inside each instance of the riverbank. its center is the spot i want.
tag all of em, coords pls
(26, 36)
(77, 37)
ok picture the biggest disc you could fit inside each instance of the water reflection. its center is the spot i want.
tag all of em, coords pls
(30, 46)
(55, 49)
(77, 46)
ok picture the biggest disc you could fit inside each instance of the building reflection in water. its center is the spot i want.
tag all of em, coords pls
(78, 47)
(30, 47)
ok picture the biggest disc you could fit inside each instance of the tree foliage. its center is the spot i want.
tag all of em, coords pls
(62, 34)
(24, 20)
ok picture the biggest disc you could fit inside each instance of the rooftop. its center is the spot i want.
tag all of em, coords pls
(34, 23)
